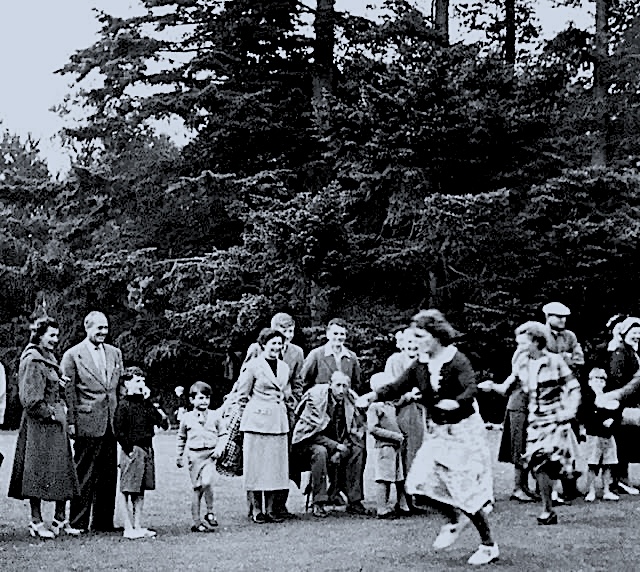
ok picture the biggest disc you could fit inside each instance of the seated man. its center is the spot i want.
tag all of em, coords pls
(330, 431)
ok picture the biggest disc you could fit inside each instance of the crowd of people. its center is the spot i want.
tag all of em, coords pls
(287, 415)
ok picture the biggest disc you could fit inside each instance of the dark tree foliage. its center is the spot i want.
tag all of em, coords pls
(334, 166)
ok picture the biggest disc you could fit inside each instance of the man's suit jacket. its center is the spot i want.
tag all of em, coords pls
(91, 399)
(313, 415)
(266, 410)
(318, 368)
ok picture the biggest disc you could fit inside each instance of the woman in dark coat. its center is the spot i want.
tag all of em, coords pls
(624, 363)
(43, 466)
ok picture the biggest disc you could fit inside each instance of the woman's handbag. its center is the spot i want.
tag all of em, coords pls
(230, 462)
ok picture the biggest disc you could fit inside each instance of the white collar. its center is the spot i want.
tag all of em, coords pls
(93, 346)
(328, 351)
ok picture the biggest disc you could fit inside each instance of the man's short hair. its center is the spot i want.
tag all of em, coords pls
(132, 371)
(337, 322)
(91, 317)
(282, 320)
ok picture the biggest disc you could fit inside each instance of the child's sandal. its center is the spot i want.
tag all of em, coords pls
(210, 519)
(199, 528)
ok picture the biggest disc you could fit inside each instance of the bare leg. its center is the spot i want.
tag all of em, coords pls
(128, 511)
(207, 487)
(401, 497)
(382, 497)
(196, 499)
(138, 504)
(591, 483)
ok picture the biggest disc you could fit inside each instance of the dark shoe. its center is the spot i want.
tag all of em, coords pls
(286, 515)
(200, 528)
(386, 515)
(259, 518)
(336, 500)
(551, 519)
(210, 519)
(273, 517)
(402, 512)
(356, 508)
(319, 511)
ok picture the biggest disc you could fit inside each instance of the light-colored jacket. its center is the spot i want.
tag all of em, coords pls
(313, 417)
(194, 436)
(266, 395)
(90, 396)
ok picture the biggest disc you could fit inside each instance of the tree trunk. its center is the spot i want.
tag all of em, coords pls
(510, 33)
(599, 154)
(441, 18)
(323, 56)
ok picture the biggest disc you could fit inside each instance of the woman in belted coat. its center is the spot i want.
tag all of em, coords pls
(264, 384)
(43, 466)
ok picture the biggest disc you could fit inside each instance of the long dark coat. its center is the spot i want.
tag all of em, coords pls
(43, 464)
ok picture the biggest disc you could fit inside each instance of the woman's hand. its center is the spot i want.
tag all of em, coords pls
(486, 385)
(447, 404)
(365, 400)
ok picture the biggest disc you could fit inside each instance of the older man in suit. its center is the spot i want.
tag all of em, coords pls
(94, 369)
(329, 436)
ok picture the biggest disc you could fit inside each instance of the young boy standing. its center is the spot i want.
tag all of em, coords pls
(600, 418)
(134, 422)
(382, 425)
(199, 436)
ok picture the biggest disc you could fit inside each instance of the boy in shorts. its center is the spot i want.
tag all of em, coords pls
(600, 417)
(134, 422)
(198, 440)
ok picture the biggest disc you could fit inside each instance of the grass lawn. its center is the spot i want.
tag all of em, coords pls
(598, 536)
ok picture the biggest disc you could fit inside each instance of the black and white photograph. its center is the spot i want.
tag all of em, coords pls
(319, 285)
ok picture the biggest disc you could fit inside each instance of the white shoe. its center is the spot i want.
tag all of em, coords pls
(133, 533)
(449, 533)
(147, 533)
(629, 489)
(484, 555)
(488, 508)
(610, 496)
(591, 496)
(58, 526)
(38, 529)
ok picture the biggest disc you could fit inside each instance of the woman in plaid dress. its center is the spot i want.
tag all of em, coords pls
(553, 396)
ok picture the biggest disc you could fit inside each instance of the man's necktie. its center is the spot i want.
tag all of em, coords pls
(101, 361)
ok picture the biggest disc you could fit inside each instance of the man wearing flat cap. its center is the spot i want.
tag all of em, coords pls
(563, 342)
(560, 340)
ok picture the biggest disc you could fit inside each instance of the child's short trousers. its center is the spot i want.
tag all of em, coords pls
(601, 451)
(138, 472)
(199, 459)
